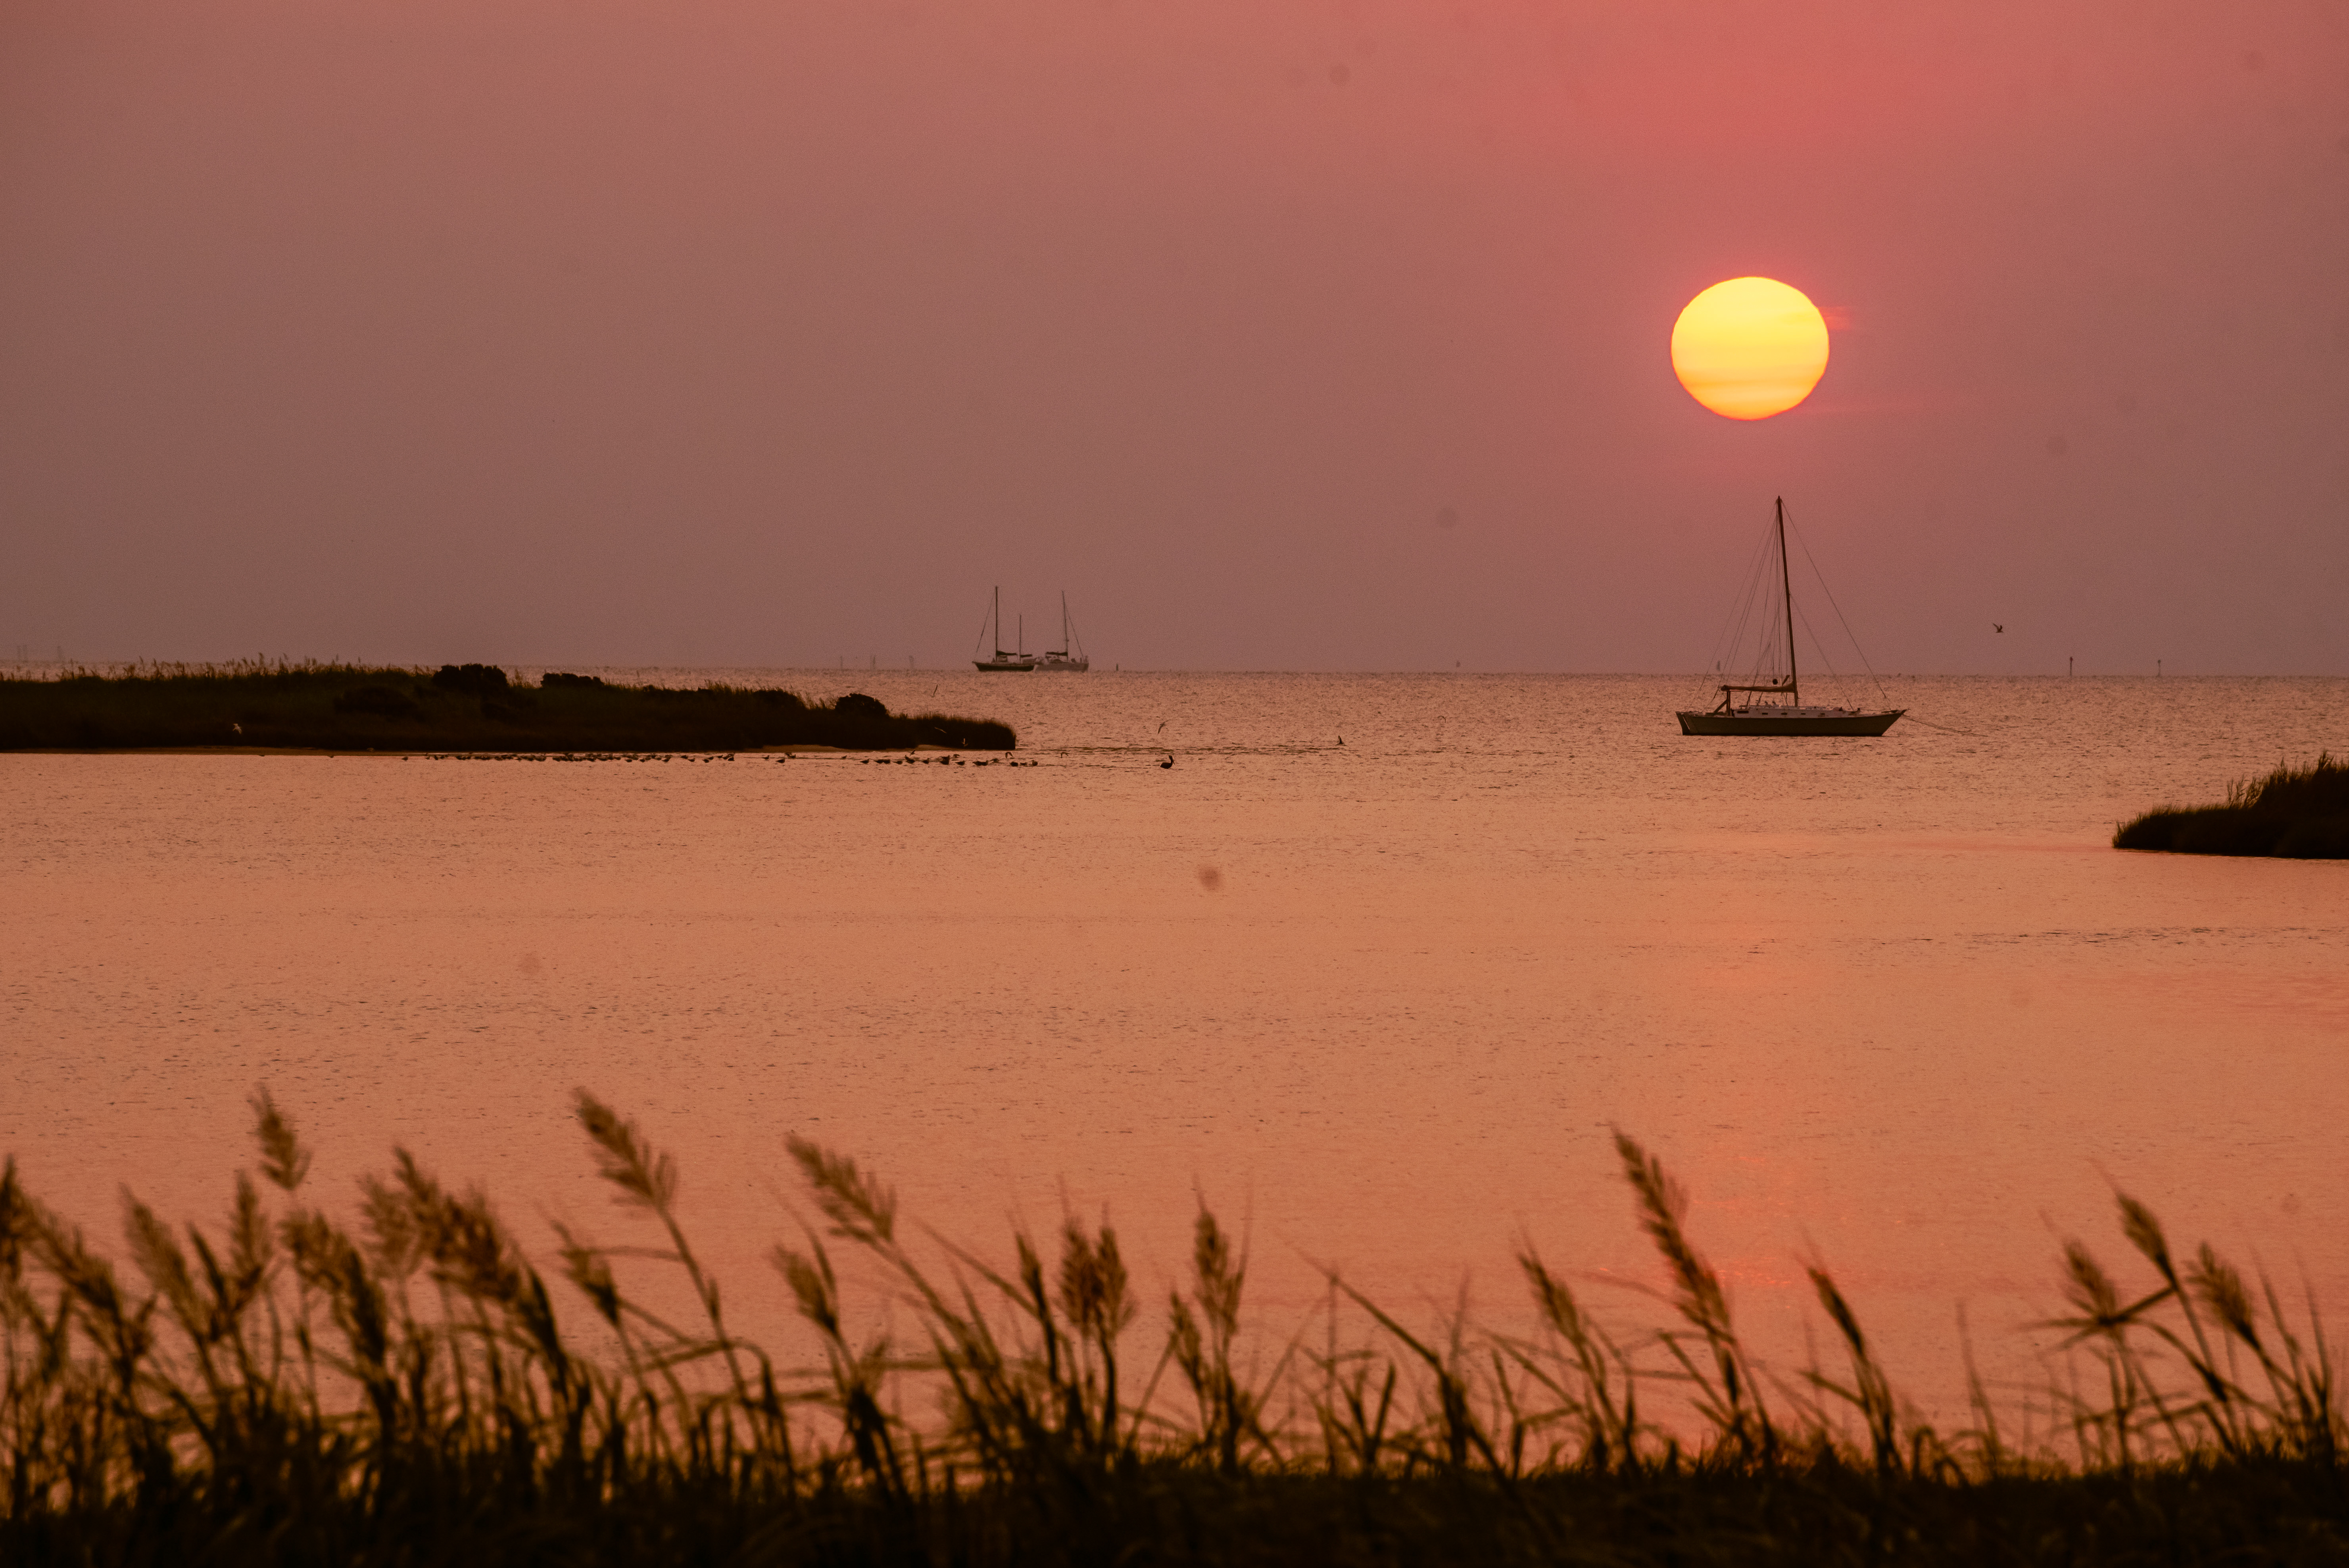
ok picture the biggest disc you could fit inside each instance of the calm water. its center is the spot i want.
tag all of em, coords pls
(1892, 1003)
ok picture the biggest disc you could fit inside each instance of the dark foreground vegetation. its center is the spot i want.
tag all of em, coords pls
(459, 708)
(2298, 813)
(284, 1390)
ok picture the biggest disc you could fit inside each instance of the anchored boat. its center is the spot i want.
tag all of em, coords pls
(1016, 663)
(1070, 654)
(1751, 707)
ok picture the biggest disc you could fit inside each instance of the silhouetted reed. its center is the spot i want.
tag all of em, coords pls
(459, 708)
(287, 1390)
(2296, 814)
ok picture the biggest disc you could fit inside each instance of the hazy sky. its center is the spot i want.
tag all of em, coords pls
(1280, 335)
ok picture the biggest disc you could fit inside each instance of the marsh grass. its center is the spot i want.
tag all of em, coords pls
(2296, 814)
(283, 1389)
(467, 708)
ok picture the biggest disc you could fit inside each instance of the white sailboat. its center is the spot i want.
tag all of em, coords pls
(1791, 717)
(1014, 662)
(1070, 654)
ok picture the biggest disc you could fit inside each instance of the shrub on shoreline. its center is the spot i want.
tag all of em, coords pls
(2294, 814)
(283, 1389)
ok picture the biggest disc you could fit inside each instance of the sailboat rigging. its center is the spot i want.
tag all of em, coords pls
(1791, 717)
(1070, 654)
(1014, 662)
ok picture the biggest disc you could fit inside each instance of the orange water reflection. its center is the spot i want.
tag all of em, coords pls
(1841, 988)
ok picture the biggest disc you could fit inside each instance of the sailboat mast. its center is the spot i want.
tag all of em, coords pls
(1787, 589)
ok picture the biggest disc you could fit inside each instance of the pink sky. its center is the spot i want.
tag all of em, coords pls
(717, 332)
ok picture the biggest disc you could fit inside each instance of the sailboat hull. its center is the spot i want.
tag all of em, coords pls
(1766, 721)
(1784, 713)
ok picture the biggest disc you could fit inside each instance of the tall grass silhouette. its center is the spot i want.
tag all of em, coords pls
(2296, 814)
(283, 1389)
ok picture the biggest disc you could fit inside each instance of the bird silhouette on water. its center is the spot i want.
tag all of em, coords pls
(1169, 761)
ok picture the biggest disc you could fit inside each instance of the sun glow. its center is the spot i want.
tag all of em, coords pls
(1750, 347)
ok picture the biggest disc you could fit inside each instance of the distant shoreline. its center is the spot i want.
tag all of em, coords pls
(326, 710)
(810, 752)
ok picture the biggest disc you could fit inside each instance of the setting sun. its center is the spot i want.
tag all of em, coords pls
(1750, 347)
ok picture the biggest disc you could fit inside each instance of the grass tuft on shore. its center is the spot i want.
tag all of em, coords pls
(285, 1388)
(2294, 814)
(458, 708)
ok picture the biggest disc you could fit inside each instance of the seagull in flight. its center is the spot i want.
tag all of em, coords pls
(1996, 625)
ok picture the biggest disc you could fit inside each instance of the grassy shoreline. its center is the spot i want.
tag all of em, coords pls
(281, 1389)
(2292, 814)
(471, 708)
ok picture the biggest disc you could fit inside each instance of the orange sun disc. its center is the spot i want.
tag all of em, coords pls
(1750, 347)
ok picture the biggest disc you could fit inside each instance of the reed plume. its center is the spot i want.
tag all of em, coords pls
(281, 1388)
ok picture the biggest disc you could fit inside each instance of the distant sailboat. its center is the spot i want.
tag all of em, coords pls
(1789, 717)
(1003, 663)
(1070, 654)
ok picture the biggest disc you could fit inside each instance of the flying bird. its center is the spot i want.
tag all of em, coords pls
(1996, 625)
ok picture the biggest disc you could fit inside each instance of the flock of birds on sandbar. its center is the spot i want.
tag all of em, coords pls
(717, 757)
(956, 761)
(907, 761)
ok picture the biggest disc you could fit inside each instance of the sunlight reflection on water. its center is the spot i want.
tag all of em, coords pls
(1887, 1002)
